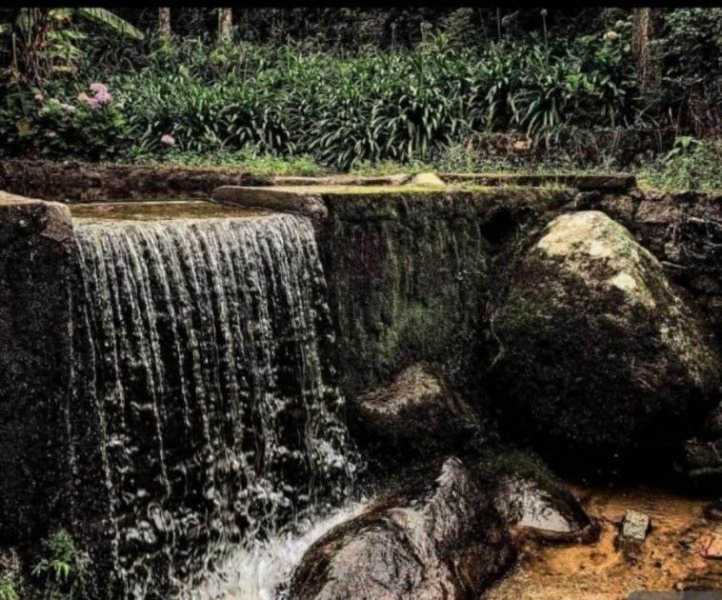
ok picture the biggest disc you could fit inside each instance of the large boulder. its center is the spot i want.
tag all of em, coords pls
(439, 539)
(416, 413)
(602, 360)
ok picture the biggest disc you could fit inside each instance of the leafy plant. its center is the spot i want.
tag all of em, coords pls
(62, 569)
(692, 164)
(43, 41)
(7, 589)
(343, 111)
(691, 47)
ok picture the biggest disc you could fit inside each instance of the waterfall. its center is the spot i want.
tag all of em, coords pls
(199, 345)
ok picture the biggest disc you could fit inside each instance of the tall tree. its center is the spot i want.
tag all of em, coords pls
(225, 22)
(646, 25)
(164, 22)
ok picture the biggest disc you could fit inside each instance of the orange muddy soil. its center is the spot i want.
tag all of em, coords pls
(669, 559)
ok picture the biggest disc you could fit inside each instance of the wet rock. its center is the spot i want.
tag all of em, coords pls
(635, 525)
(416, 412)
(531, 498)
(438, 539)
(602, 358)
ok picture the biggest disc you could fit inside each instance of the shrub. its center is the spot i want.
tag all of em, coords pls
(342, 111)
(691, 47)
(63, 126)
(692, 164)
(61, 570)
(7, 589)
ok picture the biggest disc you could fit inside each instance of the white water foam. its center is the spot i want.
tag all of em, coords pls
(256, 572)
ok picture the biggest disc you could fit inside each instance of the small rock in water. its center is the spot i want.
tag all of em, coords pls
(635, 525)
(531, 497)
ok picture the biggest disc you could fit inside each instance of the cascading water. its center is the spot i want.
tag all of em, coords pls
(200, 344)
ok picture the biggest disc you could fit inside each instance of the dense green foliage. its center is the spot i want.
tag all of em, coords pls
(691, 46)
(691, 165)
(312, 89)
(340, 110)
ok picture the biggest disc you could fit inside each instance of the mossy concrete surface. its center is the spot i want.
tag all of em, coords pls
(408, 267)
(409, 274)
(619, 182)
(92, 182)
(36, 253)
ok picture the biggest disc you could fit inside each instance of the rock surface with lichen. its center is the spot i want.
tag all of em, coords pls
(416, 412)
(602, 358)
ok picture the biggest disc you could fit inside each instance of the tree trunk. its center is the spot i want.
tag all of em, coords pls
(225, 22)
(646, 23)
(164, 22)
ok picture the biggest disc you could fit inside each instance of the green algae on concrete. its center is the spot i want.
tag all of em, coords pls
(611, 182)
(408, 273)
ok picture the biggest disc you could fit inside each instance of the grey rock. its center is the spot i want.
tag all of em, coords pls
(439, 539)
(425, 179)
(635, 525)
(416, 411)
(532, 498)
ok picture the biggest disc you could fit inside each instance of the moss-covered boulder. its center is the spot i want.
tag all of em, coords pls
(415, 415)
(602, 360)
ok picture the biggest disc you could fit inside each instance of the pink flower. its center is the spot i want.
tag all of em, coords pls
(610, 35)
(167, 139)
(99, 88)
(38, 97)
(103, 97)
(100, 96)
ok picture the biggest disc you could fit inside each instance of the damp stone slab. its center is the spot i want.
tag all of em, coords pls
(318, 201)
